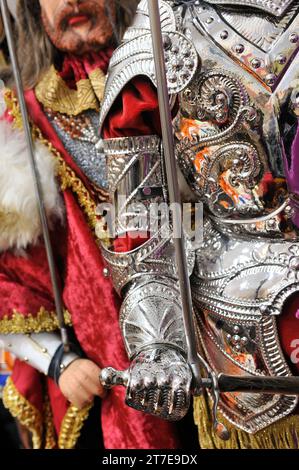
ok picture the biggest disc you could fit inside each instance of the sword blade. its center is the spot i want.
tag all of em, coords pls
(267, 385)
(36, 177)
(173, 189)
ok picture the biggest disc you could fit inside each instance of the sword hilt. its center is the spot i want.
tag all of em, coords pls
(110, 377)
(217, 384)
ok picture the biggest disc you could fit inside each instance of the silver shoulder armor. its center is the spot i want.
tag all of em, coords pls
(274, 7)
(134, 57)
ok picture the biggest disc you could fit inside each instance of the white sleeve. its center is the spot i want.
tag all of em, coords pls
(36, 350)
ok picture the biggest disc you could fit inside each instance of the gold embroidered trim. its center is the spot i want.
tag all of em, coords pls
(281, 435)
(68, 178)
(49, 431)
(43, 321)
(52, 92)
(71, 426)
(31, 418)
(26, 413)
(98, 82)
(13, 108)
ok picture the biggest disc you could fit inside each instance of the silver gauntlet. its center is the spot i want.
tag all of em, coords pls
(159, 383)
(152, 326)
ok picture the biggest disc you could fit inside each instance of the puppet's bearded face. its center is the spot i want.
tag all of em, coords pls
(78, 26)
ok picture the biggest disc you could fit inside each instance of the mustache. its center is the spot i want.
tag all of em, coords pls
(89, 8)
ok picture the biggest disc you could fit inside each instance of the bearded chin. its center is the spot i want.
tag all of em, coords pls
(69, 41)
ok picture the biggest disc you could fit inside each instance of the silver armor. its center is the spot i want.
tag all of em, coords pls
(233, 67)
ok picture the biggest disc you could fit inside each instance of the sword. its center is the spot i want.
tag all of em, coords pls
(174, 192)
(35, 172)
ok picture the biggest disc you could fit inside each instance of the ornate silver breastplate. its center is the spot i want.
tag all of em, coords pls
(236, 121)
(234, 129)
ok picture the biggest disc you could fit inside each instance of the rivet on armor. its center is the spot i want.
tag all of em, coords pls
(239, 48)
(294, 263)
(167, 42)
(224, 34)
(185, 74)
(190, 64)
(178, 64)
(281, 59)
(271, 223)
(295, 102)
(106, 272)
(147, 191)
(209, 20)
(270, 79)
(236, 339)
(172, 78)
(244, 341)
(294, 38)
(256, 63)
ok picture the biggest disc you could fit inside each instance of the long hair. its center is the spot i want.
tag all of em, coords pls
(35, 50)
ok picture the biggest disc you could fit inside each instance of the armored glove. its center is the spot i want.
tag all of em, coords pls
(159, 383)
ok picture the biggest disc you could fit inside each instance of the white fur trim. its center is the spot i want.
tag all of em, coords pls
(19, 216)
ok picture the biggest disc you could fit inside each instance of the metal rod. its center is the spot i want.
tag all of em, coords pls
(36, 177)
(173, 188)
(267, 385)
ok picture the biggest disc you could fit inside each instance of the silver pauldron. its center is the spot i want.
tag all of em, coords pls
(134, 57)
(151, 315)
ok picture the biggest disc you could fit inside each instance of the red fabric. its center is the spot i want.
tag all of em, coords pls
(76, 68)
(29, 384)
(135, 112)
(288, 328)
(93, 305)
(129, 243)
(25, 283)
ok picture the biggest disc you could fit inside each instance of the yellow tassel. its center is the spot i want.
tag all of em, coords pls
(281, 435)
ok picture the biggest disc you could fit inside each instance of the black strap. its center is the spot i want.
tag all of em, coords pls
(55, 368)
